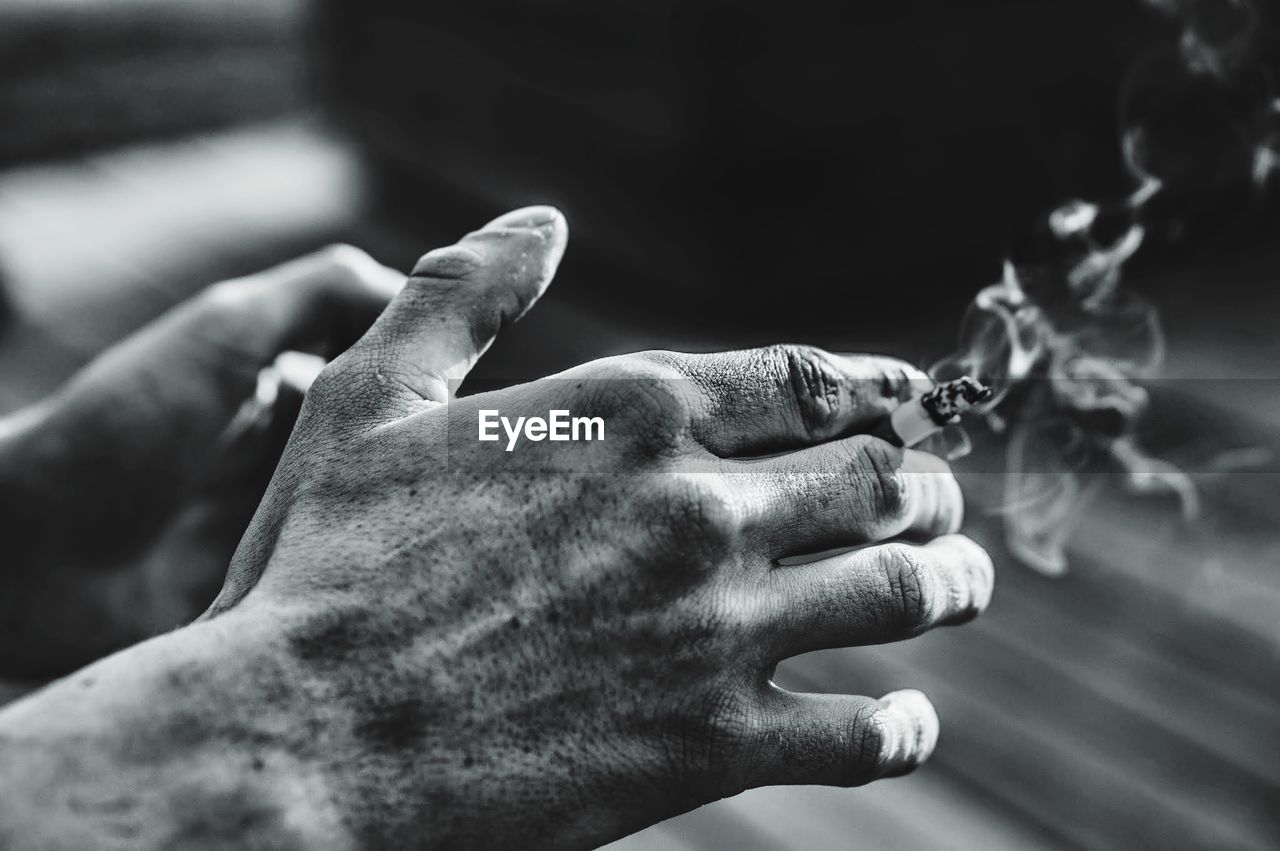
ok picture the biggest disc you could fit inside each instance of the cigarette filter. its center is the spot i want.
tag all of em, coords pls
(931, 411)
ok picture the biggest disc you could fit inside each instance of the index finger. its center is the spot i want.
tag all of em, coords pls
(760, 401)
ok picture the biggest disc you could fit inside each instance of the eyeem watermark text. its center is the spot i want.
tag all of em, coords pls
(558, 425)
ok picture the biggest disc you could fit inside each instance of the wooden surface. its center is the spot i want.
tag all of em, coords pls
(1133, 703)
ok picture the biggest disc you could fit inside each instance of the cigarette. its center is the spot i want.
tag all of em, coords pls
(928, 413)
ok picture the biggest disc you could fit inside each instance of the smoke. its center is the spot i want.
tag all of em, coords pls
(1064, 345)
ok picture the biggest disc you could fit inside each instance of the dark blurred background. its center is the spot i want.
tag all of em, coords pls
(836, 173)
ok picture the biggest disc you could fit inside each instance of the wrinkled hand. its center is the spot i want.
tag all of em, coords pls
(566, 642)
(123, 496)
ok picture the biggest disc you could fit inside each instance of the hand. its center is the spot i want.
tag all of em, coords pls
(124, 495)
(426, 640)
(569, 641)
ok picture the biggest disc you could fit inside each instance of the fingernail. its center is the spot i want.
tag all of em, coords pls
(539, 217)
(919, 719)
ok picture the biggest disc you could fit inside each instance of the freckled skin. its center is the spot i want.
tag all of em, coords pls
(426, 641)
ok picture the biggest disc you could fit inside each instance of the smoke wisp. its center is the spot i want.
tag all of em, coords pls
(1063, 344)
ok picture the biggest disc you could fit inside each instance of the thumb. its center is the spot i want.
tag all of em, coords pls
(455, 303)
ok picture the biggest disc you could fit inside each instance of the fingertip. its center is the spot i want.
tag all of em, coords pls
(544, 221)
(982, 572)
(556, 232)
(915, 727)
(527, 244)
(942, 512)
(970, 576)
(913, 704)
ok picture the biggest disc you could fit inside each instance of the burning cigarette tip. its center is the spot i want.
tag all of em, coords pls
(946, 402)
(915, 420)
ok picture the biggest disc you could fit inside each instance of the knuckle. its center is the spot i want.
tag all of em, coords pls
(347, 268)
(333, 383)
(649, 399)
(453, 262)
(704, 513)
(230, 298)
(735, 618)
(659, 415)
(230, 312)
(728, 623)
(909, 588)
(815, 384)
(638, 366)
(730, 721)
(335, 265)
(342, 399)
(876, 467)
(658, 363)
(696, 514)
(346, 262)
(715, 742)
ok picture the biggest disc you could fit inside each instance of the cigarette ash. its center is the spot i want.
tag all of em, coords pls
(1062, 345)
(947, 401)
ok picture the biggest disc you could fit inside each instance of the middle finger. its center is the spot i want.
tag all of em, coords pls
(854, 491)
